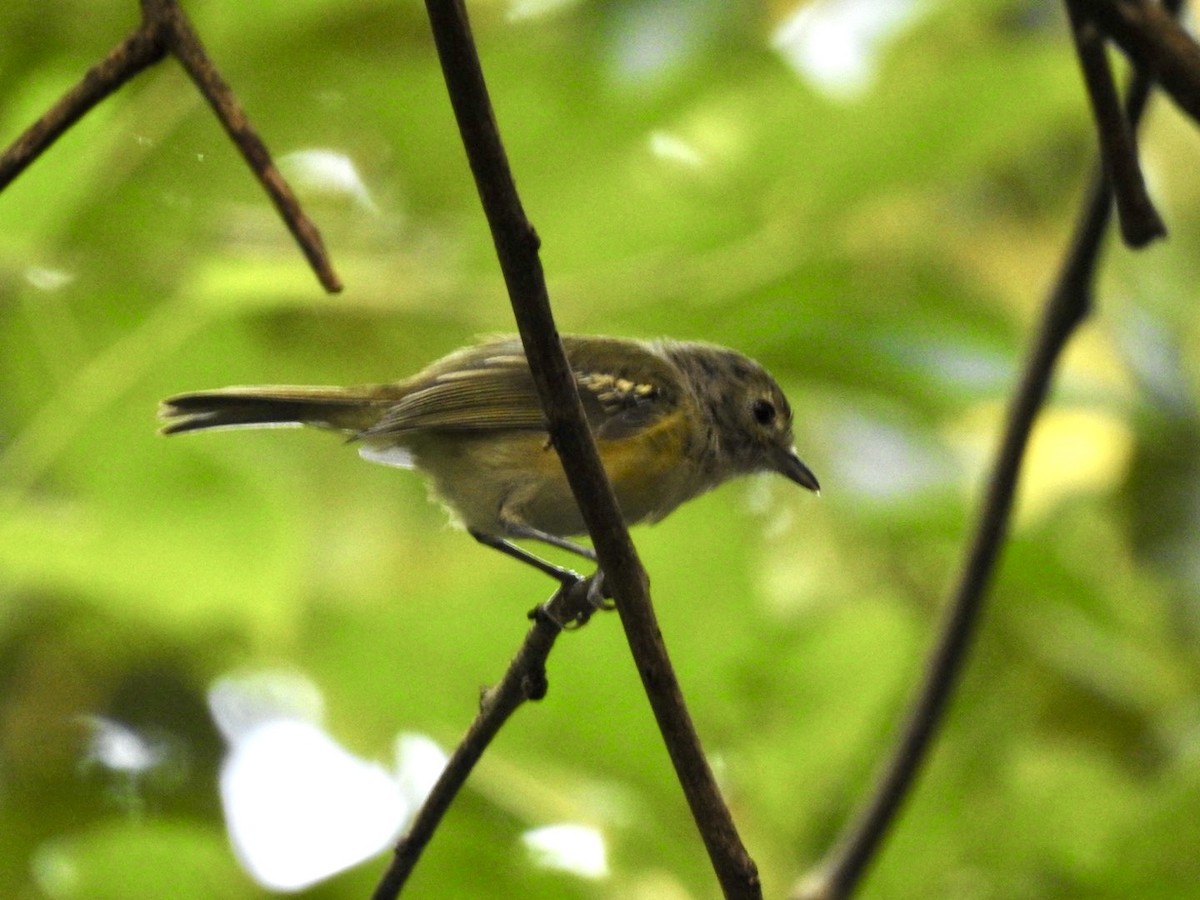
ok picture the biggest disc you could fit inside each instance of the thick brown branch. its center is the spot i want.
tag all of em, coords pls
(1139, 220)
(517, 246)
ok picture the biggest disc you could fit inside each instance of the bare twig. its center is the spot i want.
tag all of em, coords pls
(139, 50)
(1149, 33)
(166, 30)
(1068, 304)
(524, 680)
(517, 249)
(186, 46)
(1139, 220)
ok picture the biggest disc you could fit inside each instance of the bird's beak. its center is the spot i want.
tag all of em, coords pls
(791, 466)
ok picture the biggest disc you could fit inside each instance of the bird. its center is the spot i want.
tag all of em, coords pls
(671, 419)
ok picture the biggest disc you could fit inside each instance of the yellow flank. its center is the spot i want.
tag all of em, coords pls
(645, 469)
(518, 477)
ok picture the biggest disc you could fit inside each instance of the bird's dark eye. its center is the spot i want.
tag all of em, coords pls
(764, 412)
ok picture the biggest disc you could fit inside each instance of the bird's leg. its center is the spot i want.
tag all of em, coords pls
(595, 592)
(565, 577)
(508, 548)
(521, 530)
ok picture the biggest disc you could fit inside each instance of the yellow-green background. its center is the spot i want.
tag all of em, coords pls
(884, 257)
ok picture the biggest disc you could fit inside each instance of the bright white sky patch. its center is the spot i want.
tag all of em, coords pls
(887, 460)
(329, 173)
(419, 764)
(118, 747)
(835, 45)
(300, 807)
(649, 41)
(577, 849)
(47, 279)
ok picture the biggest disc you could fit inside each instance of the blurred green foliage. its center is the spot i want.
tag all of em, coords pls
(883, 254)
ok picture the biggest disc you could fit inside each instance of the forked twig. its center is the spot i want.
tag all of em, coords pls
(164, 30)
(1149, 33)
(1139, 220)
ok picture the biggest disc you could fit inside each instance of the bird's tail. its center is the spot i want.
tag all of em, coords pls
(349, 410)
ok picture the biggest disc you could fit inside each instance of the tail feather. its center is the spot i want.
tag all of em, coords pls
(350, 410)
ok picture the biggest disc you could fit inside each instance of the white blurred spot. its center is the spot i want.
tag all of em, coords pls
(1153, 351)
(55, 871)
(240, 704)
(958, 365)
(45, 279)
(300, 807)
(576, 849)
(522, 10)
(670, 148)
(119, 748)
(652, 40)
(419, 764)
(328, 173)
(131, 760)
(886, 461)
(835, 44)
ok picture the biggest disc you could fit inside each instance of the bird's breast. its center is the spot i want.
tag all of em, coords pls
(489, 478)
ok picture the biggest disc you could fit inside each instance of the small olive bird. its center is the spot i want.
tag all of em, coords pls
(671, 419)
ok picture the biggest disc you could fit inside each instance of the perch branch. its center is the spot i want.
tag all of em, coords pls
(525, 679)
(517, 249)
(186, 46)
(1149, 33)
(139, 50)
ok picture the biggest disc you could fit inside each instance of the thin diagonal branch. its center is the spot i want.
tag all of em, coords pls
(139, 50)
(517, 249)
(1068, 304)
(525, 679)
(186, 46)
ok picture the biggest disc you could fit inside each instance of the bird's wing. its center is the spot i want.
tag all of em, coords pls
(624, 386)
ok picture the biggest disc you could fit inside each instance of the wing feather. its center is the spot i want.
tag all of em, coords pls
(625, 386)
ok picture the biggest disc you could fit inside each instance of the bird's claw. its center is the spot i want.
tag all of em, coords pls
(567, 610)
(595, 592)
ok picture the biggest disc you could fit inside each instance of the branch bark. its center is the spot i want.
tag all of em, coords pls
(1139, 220)
(525, 679)
(517, 249)
(1149, 33)
(141, 49)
